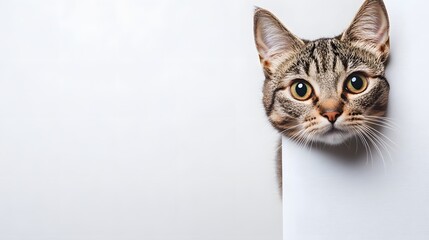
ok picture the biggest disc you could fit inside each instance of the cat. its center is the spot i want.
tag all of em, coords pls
(330, 89)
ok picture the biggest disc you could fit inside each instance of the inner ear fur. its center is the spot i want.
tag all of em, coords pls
(273, 41)
(370, 29)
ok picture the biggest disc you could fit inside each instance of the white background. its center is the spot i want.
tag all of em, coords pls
(143, 120)
(134, 120)
(328, 200)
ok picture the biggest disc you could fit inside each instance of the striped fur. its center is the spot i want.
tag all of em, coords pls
(325, 64)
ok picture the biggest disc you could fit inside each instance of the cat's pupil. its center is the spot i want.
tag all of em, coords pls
(357, 82)
(301, 89)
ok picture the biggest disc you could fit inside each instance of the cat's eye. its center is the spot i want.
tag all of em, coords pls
(356, 83)
(301, 90)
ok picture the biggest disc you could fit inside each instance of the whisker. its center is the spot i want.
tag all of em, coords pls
(382, 120)
(356, 143)
(374, 142)
(310, 140)
(298, 137)
(383, 143)
(290, 128)
(380, 124)
(365, 144)
(380, 133)
(286, 129)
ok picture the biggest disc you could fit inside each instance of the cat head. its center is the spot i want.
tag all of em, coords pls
(330, 89)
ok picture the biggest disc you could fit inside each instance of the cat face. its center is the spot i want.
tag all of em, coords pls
(326, 90)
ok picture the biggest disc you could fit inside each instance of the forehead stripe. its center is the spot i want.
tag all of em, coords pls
(273, 99)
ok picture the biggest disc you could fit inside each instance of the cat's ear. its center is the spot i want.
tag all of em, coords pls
(273, 41)
(370, 28)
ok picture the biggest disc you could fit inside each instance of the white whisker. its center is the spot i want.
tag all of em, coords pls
(377, 138)
(359, 133)
(374, 142)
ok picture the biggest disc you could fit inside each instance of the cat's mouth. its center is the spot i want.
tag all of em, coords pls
(333, 135)
(333, 130)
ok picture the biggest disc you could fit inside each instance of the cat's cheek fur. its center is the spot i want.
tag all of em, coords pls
(278, 120)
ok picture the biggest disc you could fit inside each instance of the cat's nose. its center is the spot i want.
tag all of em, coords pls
(331, 116)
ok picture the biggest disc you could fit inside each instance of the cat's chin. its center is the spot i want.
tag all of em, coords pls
(333, 137)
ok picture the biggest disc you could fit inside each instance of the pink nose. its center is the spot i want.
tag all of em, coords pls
(331, 116)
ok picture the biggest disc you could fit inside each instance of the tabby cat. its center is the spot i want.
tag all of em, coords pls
(330, 89)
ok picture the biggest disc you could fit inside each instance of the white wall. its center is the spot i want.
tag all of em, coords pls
(324, 199)
(143, 120)
(133, 120)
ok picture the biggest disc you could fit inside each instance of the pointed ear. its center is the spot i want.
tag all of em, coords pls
(370, 28)
(273, 40)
